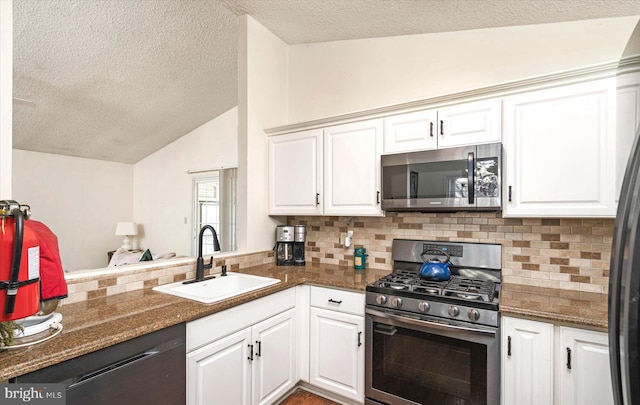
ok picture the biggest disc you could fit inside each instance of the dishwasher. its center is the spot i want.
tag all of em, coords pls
(150, 369)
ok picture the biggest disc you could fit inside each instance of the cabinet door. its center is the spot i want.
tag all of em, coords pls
(274, 365)
(527, 362)
(584, 375)
(410, 132)
(352, 168)
(627, 122)
(295, 173)
(219, 373)
(560, 150)
(469, 123)
(337, 352)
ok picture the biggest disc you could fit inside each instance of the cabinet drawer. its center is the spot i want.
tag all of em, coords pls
(338, 300)
(213, 327)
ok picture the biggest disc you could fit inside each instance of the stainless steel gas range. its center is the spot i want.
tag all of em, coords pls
(435, 342)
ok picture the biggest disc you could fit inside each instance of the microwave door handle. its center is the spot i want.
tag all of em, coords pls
(471, 187)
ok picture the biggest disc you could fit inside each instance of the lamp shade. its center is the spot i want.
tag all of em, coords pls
(126, 229)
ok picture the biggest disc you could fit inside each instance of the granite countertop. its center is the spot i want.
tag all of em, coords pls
(584, 309)
(98, 323)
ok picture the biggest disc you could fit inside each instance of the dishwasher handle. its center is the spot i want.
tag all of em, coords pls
(114, 366)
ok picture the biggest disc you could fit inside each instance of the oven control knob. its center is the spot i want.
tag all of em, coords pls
(424, 306)
(474, 314)
(396, 302)
(454, 311)
(381, 299)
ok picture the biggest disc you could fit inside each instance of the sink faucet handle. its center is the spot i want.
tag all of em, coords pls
(210, 265)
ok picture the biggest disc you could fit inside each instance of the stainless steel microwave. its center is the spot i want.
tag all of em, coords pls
(465, 178)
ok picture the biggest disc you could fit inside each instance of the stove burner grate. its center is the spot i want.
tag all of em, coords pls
(456, 287)
(469, 289)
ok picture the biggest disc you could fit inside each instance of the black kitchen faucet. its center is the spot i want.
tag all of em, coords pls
(200, 266)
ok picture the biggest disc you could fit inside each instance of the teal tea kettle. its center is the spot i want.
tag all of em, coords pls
(434, 269)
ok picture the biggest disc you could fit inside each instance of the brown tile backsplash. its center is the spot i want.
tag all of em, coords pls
(571, 254)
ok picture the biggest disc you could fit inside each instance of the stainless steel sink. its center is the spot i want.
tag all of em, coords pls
(218, 288)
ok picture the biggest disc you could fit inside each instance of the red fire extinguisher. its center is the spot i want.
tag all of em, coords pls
(19, 263)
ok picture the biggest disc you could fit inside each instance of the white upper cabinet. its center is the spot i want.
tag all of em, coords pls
(469, 123)
(462, 124)
(331, 171)
(295, 173)
(410, 132)
(352, 168)
(627, 122)
(559, 152)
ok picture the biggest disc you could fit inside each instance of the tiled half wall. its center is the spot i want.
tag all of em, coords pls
(571, 254)
(100, 286)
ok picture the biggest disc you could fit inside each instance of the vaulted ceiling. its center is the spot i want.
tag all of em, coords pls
(117, 80)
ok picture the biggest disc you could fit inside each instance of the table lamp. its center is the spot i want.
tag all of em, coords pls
(126, 229)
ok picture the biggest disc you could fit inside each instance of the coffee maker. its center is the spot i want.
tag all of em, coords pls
(299, 236)
(290, 245)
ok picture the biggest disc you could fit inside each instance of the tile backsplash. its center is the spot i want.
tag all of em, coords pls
(572, 254)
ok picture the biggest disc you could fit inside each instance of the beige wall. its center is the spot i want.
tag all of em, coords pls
(334, 78)
(162, 188)
(262, 103)
(81, 200)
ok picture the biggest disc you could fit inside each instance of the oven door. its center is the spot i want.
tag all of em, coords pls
(421, 362)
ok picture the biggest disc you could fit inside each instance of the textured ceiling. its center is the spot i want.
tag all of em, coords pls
(309, 21)
(117, 80)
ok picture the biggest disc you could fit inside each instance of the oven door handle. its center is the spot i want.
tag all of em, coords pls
(420, 322)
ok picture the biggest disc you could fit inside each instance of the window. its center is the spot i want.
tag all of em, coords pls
(215, 204)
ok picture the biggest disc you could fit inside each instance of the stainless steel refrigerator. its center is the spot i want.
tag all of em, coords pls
(624, 279)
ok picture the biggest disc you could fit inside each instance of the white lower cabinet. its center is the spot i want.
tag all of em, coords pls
(336, 349)
(544, 364)
(219, 373)
(255, 365)
(527, 362)
(584, 376)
